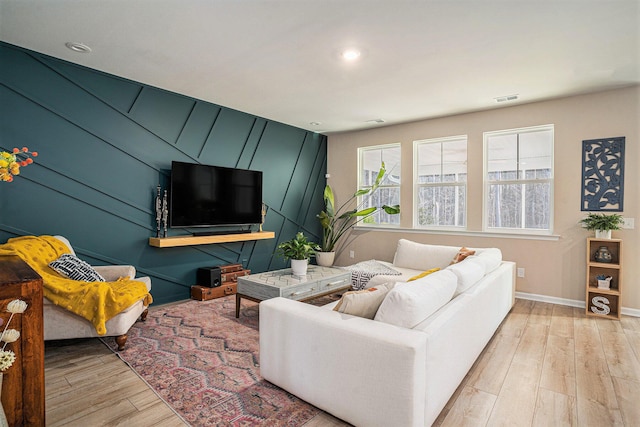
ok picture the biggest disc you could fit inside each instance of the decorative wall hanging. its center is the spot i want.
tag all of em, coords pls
(603, 174)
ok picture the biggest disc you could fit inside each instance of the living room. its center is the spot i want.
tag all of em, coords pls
(106, 142)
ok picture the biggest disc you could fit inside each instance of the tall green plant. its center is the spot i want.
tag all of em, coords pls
(337, 222)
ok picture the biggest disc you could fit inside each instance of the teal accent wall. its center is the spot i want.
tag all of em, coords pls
(105, 143)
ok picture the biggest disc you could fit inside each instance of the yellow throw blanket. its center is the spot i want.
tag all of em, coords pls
(95, 301)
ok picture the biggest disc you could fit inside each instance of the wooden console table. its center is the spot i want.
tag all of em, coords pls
(23, 383)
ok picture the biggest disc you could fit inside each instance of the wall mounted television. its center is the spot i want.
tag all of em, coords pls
(210, 196)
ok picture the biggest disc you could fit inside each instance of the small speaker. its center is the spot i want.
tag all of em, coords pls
(209, 277)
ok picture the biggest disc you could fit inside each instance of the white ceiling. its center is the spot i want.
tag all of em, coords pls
(280, 59)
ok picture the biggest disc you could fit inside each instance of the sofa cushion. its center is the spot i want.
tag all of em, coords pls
(468, 273)
(363, 303)
(408, 304)
(420, 256)
(490, 257)
(76, 269)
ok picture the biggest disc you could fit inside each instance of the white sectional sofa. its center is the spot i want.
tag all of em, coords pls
(400, 368)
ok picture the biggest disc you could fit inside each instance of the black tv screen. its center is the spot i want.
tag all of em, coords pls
(206, 196)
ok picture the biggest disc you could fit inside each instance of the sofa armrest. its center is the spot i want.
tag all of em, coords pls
(362, 371)
(114, 272)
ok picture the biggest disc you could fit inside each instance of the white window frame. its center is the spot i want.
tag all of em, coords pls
(488, 183)
(389, 168)
(457, 183)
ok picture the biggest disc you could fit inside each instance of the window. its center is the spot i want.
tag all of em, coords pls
(440, 187)
(519, 180)
(370, 160)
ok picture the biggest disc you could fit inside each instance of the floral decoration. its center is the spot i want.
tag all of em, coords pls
(10, 163)
(7, 357)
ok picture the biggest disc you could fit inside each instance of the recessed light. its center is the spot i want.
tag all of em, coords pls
(78, 47)
(350, 54)
(315, 123)
(375, 121)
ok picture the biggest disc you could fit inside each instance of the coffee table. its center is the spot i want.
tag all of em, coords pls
(318, 282)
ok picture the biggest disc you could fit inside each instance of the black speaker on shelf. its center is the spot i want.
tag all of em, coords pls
(209, 277)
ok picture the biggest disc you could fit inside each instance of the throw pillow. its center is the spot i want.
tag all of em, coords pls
(363, 303)
(423, 274)
(76, 269)
(363, 271)
(462, 254)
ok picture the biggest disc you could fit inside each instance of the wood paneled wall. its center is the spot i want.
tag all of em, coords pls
(105, 143)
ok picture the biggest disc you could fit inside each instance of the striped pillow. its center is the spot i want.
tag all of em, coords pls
(76, 269)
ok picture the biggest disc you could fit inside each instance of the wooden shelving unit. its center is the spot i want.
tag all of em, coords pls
(168, 242)
(604, 302)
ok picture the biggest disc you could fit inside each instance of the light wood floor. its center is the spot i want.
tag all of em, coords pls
(547, 365)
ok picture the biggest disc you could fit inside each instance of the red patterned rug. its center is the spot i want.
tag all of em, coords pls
(204, 363)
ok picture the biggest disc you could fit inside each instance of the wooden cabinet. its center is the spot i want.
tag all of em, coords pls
(602, 301)
(23, 383)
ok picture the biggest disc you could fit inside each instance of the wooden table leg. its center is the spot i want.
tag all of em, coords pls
(238, 297)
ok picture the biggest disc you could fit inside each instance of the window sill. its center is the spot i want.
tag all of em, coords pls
(492, 235)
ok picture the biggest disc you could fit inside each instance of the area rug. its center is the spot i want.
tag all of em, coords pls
(204, 363)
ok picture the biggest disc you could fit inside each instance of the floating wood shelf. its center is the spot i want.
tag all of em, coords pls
(168, 242)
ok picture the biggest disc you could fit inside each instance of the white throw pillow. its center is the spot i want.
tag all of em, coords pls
(420, 256)
(408, 304)
(467, 272)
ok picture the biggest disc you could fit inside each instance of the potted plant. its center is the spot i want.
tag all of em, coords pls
(336, 222)
(298, 250)
(602, 224)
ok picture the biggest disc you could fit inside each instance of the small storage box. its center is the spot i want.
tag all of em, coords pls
(233, 276)
(202, 293)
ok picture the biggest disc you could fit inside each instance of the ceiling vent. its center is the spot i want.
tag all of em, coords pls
(506, 98)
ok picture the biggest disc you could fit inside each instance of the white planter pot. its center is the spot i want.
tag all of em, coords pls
(325, 259)
(299, 267)
(603, 234)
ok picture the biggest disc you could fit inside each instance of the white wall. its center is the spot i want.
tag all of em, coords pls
(554, 268)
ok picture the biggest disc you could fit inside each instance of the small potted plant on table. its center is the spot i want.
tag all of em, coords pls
(602, 224)
(298, 250)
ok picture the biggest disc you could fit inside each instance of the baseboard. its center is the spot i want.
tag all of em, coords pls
(570, 302)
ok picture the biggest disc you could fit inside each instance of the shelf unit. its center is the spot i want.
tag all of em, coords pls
(602, 302)
(168, 242)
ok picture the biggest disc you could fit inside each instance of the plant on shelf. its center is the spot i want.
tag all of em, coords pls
(602, 223)
(298, 250)
(336, 222)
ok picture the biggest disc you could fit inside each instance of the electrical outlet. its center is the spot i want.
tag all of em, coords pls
(352, 254)
(520, 272)
(629, 223)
